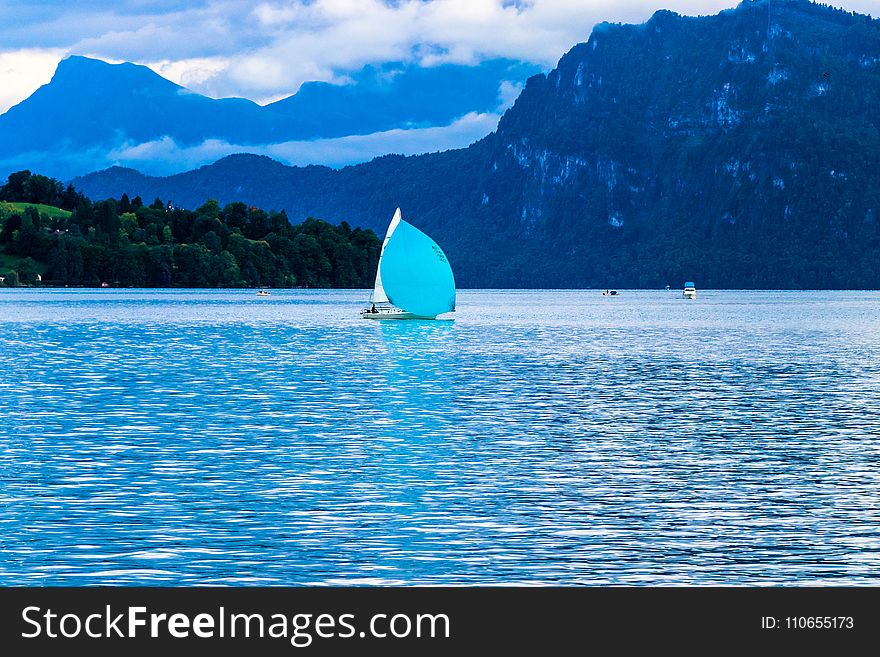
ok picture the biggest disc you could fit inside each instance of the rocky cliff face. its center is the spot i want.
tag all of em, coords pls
(695, 143)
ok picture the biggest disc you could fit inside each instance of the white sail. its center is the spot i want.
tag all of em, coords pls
(379, 295)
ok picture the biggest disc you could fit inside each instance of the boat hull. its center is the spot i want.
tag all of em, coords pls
(392, 314)
(689, 295)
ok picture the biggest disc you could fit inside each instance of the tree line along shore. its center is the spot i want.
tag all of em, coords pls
(52, 235)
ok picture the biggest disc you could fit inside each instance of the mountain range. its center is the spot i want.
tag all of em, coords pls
(736, 150)
(93, 114)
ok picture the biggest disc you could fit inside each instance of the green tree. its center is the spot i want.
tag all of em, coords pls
(28, 271)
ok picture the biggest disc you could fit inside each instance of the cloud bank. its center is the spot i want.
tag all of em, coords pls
(165, 156)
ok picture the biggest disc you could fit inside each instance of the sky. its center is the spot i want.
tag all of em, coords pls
(265, 50)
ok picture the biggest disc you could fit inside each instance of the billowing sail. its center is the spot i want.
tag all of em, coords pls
(379, 295)
(414, 273)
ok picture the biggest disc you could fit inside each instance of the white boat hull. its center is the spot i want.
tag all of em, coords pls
(689, 295)
(392, 314)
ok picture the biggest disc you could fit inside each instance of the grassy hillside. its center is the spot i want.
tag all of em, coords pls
(50, 210)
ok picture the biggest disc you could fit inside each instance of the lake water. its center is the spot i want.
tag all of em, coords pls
(552, 437)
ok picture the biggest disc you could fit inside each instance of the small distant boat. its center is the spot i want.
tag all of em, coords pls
(263, 293)
(610, 293)
(690, 292)
(413, 279)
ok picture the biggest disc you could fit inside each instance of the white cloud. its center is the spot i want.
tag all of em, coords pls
(165, 156)
(22, 72)
(321, 39)
(508, 93)
(193, 73)
(361, 148)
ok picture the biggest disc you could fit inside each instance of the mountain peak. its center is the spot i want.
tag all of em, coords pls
(79, 60)
(247, 160)
(78, 69)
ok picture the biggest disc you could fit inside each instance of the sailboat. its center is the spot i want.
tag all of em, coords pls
(413, 279)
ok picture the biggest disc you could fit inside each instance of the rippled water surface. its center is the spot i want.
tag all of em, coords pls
(213, 437)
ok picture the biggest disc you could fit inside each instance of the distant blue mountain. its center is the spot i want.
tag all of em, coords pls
(90, 108)
(91, 103)
(399, 96)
